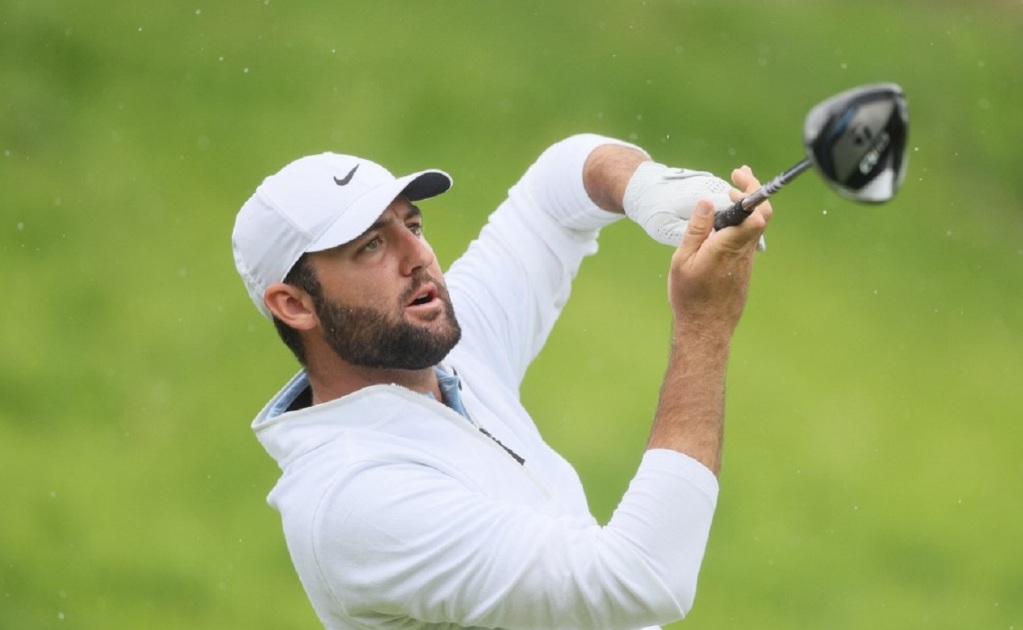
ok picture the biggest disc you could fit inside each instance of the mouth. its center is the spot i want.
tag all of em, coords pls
(424, 296)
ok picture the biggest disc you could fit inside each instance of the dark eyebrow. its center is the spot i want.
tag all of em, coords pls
(412, 213)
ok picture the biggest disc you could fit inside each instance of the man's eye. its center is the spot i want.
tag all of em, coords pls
(371, 245)
(416, 228)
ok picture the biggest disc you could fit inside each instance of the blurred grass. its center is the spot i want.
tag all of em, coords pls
(873, 461)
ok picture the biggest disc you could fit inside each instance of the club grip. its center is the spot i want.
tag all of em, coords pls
(732, 216)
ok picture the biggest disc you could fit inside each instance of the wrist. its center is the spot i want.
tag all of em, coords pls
(607, 172)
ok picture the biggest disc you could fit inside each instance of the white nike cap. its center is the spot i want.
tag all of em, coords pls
(316, 203)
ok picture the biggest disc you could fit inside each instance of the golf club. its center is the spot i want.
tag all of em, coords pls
(856, 140)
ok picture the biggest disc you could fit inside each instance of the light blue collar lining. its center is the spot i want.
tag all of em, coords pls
(450, 386)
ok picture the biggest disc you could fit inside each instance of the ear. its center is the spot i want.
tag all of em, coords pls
(291, 305)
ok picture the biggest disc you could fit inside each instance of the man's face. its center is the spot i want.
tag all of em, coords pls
(384, 303)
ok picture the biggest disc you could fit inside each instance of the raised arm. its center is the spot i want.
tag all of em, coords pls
(707, 289)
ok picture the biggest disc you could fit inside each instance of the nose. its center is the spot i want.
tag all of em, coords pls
(416, 253)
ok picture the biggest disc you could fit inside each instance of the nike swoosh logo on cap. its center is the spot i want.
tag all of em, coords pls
(347, 178)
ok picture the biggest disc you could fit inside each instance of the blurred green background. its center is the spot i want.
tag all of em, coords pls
(874, 460)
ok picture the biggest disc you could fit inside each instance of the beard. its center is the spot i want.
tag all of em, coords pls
(374, 338)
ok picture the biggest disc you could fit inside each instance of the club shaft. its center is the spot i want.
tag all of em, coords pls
(742, 208)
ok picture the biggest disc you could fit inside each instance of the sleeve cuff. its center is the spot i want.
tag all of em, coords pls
(572, 153)
(683, 466)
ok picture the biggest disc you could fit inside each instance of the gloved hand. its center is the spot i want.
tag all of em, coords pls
(661, 199)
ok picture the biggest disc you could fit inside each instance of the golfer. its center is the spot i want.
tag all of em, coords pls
(416, 491)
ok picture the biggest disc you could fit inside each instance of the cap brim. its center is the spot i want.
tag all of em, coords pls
(426, 184)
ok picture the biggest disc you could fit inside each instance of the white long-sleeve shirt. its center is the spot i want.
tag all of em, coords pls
(401, 513)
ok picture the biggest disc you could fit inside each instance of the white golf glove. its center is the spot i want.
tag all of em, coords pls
(661, 199)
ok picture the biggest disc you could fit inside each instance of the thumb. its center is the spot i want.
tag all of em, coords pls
(700, 226)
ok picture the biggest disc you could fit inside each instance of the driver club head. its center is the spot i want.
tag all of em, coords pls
(857, 141)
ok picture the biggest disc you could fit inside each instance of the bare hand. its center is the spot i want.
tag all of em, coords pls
(710, 272)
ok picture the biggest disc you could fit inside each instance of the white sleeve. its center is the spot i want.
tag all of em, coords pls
(500, 565)
(511, 285)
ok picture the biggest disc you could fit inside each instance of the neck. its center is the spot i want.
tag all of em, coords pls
(334, 381)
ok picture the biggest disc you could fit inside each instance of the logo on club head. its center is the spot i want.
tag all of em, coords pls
(862, 135)
(876, 150)
(347, 178)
